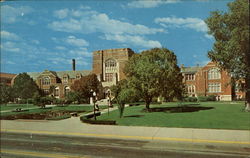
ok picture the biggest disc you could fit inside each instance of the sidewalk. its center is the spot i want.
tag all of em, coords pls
(174, 138)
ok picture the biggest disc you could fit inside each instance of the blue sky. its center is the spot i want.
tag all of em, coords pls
(39, 35)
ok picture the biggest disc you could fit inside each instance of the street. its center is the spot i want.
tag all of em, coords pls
(15, 145)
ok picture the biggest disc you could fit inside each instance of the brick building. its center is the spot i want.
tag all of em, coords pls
(210, 80)
(5, 78)
(60, 81)
(108, 65)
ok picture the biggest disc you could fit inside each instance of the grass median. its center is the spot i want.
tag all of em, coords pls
(215, 115)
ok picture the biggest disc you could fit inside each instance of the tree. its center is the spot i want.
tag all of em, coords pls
(123, 94)
(85, 84)
(24, 86)
(231, 48)
(73, 96)
(153, 73)
(6, 94)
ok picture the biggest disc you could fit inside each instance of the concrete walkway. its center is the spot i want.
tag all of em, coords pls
(202, 139)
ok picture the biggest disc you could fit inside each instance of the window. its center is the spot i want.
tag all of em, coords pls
(57, 91)
(214, 87)
(110, 65)
(108, 77)
(66, 90)
(46, 91)
(191, 89)
(214, 73)
(65, 79)
(78, 76)
(46, 80)
(189, 77)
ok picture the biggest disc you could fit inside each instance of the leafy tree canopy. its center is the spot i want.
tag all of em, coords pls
(153, 73)
(123, 94)
(231, 48)
(24, 86)
(6, 94)
(85, 84)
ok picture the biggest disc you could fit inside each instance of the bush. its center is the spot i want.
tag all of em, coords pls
(190, 99)
(202, 98)
(211, 98)
(207, 98)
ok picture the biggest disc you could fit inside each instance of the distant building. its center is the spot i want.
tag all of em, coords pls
(5, 78)
(60, 81)
(210, 80)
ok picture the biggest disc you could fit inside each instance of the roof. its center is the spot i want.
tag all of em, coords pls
(72, 74)
(193, 69)
(7, 75)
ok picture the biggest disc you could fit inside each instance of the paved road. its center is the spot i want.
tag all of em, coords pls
(17, 145)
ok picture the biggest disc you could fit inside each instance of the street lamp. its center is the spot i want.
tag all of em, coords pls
(93, 96)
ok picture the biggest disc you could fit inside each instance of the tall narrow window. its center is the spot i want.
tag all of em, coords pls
(214, 73)
(57, 92)
(110, 65)
(46, 80)
(66, 90)
(65, 79)
(109, 77)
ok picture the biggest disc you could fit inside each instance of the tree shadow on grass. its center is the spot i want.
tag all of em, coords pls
(179, 109)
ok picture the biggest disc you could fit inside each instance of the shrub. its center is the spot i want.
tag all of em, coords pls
(211, 98)
(190, 99)
(202, 98)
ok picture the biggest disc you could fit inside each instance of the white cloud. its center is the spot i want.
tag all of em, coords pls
(191, 23)
(92, 21)
(9, 35)
(209, 36)
(35, 41)
(12, 14)
(149, 3)
(72, 40)
(10, 47)
(133, 40)
(63, 13)
(60, 48)
(83, 52)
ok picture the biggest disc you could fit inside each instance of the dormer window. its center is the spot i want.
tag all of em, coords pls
(65, 79)
(78, 76)
(46, 80)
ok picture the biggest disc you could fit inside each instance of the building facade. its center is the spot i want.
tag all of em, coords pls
(210, 80)
(109, 64)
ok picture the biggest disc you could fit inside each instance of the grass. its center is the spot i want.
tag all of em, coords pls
(14, 106)
(215, 115)
(84, 108)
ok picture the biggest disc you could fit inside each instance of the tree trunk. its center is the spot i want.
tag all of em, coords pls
(148, 101)
(247, 104)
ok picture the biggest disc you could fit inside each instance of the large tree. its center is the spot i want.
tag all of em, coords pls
(84, 86)
(6, 94)
(231, 48)
(24, 86)
(154, 73)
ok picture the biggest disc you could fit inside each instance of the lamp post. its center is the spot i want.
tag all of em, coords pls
(93, 95)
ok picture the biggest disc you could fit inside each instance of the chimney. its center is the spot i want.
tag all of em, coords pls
(73, 64)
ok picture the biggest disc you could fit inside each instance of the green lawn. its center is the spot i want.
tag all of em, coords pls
(217, 115)
(14, 106)
(71, 108)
